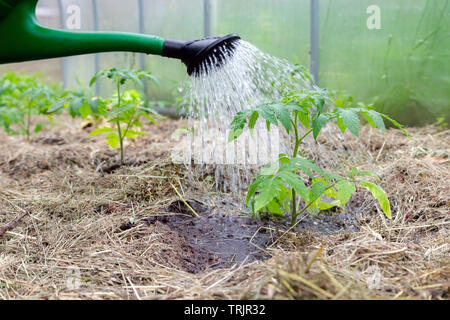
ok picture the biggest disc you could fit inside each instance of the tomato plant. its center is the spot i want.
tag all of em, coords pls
(279, 186)
(23, 97)
(126, 108)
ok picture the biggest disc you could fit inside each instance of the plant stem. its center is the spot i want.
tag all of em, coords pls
(119, 129)
(309, 205)
(28, 124)
(298, 140)
(129, 123)
(304, 136)
(294, 214)
(294, 194)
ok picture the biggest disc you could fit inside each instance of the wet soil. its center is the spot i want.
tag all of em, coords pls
(210, 240)
(222, 235)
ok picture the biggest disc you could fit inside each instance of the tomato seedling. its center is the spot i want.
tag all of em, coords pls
(278, 185)
(125, 107)
(22, 98)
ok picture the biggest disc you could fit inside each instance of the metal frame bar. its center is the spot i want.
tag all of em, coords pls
(207, 18)
(97, 56)
(142, 30)
(63, 60)
(314, 67)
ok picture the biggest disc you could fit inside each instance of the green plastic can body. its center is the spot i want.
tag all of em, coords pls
(24, 39)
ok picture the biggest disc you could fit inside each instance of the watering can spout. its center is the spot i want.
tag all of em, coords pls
(24, 39)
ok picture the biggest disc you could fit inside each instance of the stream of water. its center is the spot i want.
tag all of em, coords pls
(248, 78)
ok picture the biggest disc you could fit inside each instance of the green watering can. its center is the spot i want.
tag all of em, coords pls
(24, 39)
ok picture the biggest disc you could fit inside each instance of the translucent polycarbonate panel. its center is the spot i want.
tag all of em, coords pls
(47, 13)
(117, 15)
(278, 27)
(77, 69)
(175, 19)
(405, 62)
(281, 28)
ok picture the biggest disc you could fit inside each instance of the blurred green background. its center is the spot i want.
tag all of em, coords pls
(405, 63)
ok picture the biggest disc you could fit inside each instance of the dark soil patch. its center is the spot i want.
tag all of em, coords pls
(215, 240)
(181, 253)
(339, 222)
(51, 140)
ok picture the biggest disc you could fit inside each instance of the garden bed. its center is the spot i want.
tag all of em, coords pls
(128, 231)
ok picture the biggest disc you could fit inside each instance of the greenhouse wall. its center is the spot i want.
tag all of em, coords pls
(399, 54)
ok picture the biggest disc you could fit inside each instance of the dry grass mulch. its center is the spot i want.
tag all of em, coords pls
(76, 212)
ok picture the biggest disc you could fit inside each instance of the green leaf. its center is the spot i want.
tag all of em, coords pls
(100, 131)
(270, 169)
(238, 124)
(284, 115)
(269, 189)
(359, 173)
(319, 102)
(332, 176)
(98, 106)
(117, 112)
(379, 194)
(318, 124)
(274, 207)
(295, 182)
(149, 118)
(341, 125)
(113, 140)
(395, 123)
(284, 158)
(266, 111)
(351, 120)
(327, 206)
(234, 134)
(252, 188)
(38, 128)
(345, 190)
(252, 122)
(93, 80)
(56, 106)
(85, 110)
(317, 190)
(375, 119)
(304, 119)
(74, 106)
(133, 134)
(306, 166)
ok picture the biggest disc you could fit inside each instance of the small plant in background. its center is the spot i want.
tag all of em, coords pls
(277, 187)
(81, 103)
(22, 98)
(126, 108)
(440, 122)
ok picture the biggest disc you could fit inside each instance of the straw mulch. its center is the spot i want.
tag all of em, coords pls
(70, 244)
